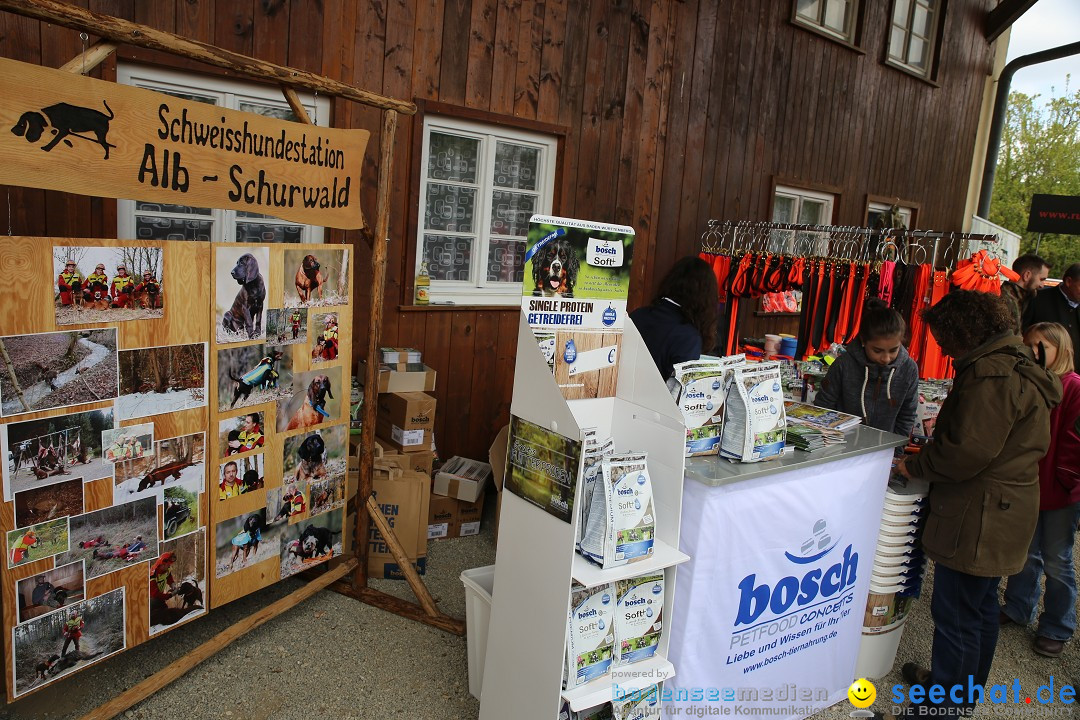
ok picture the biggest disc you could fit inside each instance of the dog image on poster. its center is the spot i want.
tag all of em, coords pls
(326, 495)
(240, 476)
(240, 293)
(51, 646)
(114, 538)
(287, 327)
(288, 503)
(57, 369)
(178, 461)
(315, 456)
(51, 590)
(178, 582)
(244, 541)
(241, 434)
(42, 540)
(128, 443)
(325, 347)
(312, 400)
(253, 375)
(316, 278)
(311, 542)
(53, 450)
(49, 502)
(107, 284)
(160, 380)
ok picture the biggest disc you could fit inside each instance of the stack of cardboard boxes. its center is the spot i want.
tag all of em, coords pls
(457, 502)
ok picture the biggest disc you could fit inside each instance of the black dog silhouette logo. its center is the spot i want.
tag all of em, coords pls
(64, 121)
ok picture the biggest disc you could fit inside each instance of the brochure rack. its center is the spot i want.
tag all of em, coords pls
(536, 561)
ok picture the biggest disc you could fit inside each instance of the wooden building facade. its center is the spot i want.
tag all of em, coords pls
(665, 113)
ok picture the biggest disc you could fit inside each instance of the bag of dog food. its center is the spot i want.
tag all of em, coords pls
(754, 422)
(638, 617)
(590, 641)
(621, 522)
(595, 451)
(699, 389)
(643, 704)
(600, 712)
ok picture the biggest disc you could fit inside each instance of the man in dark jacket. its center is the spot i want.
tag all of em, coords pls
(982, 466)
(1032, 270)
(1061, 305)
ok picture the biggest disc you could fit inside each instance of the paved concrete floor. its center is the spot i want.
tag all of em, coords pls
(333, 657)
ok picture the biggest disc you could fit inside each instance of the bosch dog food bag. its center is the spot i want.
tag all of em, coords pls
(600, 712)
(700, 387)
(590, 642)
(754, 421)
(638, 617)
(643, 704)
(621, 522)
(595, 451)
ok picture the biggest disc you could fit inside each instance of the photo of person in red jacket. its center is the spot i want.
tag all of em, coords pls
(121, 288)
(1051, 550)
(69, 283)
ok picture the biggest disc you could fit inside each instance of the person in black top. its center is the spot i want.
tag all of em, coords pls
(1060, 304)
(680, 323)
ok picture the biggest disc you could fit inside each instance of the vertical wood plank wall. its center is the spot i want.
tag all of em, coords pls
(674, 112)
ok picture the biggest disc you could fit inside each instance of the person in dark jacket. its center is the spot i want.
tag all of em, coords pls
(1032, 270)
(1051, 550)
(1061, 305)
(681, 321)
(983, 470)
(875, 379)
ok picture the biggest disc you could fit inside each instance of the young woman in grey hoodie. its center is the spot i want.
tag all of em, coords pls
(875, 379)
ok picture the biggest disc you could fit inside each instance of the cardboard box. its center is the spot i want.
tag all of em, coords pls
(462, 478)
(404, 441)
(451, 518)
(407, 410)
(399, 355)
(469, 517)
(403, 497)
(417, 377)
(419, 462)
(388, 569)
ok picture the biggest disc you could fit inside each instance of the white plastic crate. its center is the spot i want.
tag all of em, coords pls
(478, 583)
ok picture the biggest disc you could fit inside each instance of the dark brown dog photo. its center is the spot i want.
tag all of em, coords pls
(315, 279)
(240, 293)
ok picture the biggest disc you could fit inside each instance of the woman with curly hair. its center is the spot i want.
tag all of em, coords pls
(983, 470)
(681, 321)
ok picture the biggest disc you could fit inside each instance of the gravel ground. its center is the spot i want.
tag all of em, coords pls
(335, 657)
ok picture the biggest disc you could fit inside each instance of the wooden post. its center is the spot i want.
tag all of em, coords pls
(371, 373)
(94, 56)
(417, 585)
(294, 102)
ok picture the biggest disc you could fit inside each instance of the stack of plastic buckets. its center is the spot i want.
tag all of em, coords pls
(897, 577)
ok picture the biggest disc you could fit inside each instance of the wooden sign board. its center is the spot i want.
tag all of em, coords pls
(57, 129)
(111, 594)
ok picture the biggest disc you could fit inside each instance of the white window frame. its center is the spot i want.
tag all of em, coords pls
(906, 213)
(228, 93)
(899, 57)
(847, 35)
(784, 240)
(478, 291)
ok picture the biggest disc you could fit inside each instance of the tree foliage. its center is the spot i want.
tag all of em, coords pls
(1040, 153)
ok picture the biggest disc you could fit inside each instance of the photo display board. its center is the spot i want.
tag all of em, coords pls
(130, 377)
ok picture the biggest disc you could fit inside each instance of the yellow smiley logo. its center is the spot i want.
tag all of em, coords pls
(862, 693)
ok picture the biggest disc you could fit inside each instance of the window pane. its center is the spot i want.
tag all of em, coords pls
(811, 212)
(166, 208)
(896, 44)
(270, 111)
(506, 260)
(809, 9)
(510, 213)
(901, 12)
(921, 24)
(268, 232)
(450, 208)
(162, 228)
(516, 166)
(182, 95)
(836, 15)
(448, 258)
(917, 53)
(452, 157)
(783, 209)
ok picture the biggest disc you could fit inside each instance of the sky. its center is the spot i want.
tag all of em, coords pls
(1048, 24)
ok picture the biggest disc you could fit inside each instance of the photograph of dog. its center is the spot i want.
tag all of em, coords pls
(178, 582)
(253, 375)
(287, 327)
(57, 369)
(288, 503)
(244, 541)
(316, 279)
(113, 538)
(325, 347)
(38, 541)
(51, 590)
(171, 462)
(239, 476)
(241, 312)
(63, 121)
(53, 450)
(326, 495)
(179, 511)
(315, 456)
(49, 502)
(241, 434)
(107, 284)
(555, 269)
(312, 400)
(128, 443)
(57, 644)
(311, 542)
